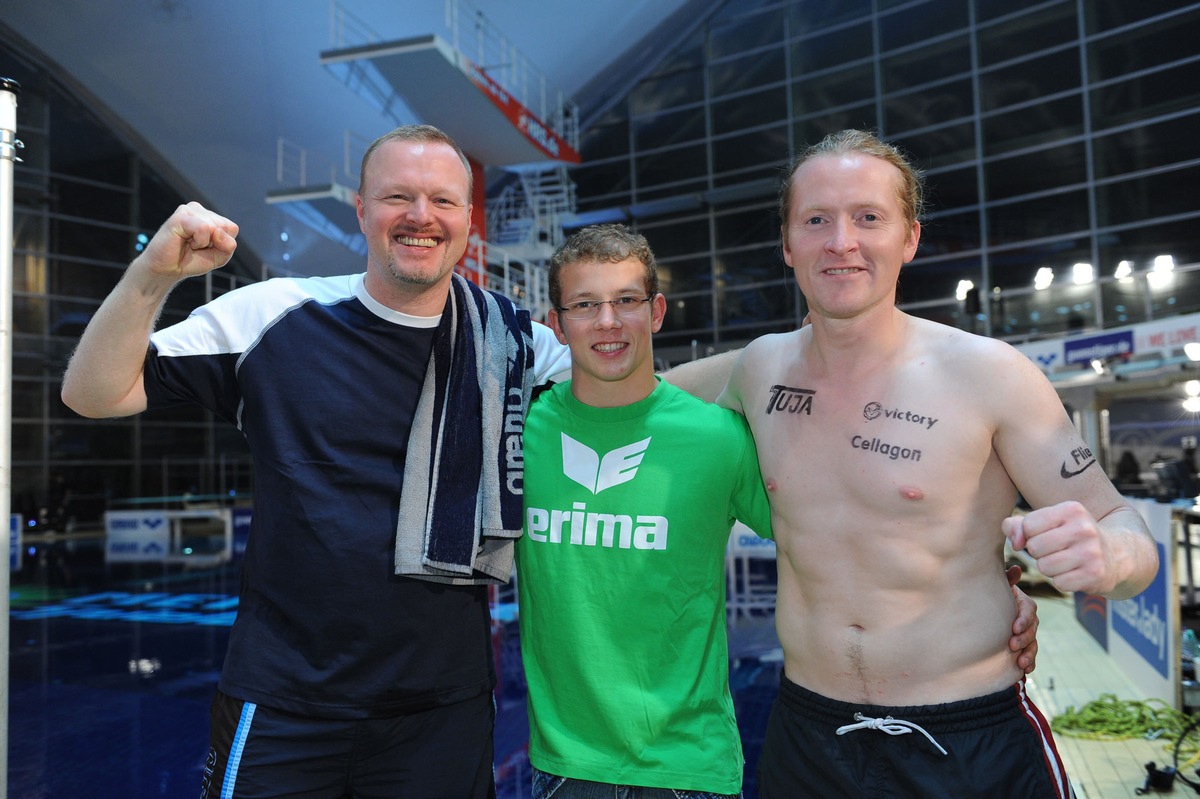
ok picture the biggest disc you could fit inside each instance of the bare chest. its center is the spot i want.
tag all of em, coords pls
(886, 448)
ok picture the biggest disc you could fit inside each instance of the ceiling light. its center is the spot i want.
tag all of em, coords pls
(1159, 279)
(1098, 366)
(1124, 271)
(1192, 388)
(1043, 278)
(964, 286)
(1082, 273)
(1192, 404)
(1192, 350)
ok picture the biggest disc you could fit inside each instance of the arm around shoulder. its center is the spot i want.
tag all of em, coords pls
(551, 359)
(705, 378)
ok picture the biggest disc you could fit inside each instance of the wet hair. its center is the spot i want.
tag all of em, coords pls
(418, 133)
(910, 191)
(609, 243)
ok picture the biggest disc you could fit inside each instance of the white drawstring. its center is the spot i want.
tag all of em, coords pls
(889, 725)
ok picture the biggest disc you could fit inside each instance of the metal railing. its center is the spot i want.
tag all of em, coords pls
(477, 38)
(524, 281)
(297, 168)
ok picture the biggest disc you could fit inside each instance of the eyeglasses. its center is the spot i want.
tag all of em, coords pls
(590, 309)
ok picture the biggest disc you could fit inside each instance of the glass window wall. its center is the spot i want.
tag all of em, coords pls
(1132, 50)
(1025, 32)
(939, 147)
(81, 195)
(817, 92)
(1030, 80)
(752, 31)
(914, 24)
(1100, 17)
(1149, 146)
(1036, 171)
(819, 15)
(947, 102)
(989, 99)
(838, 45)
(751, 71)
(737, 153)
(1027, 126)
(670, 128)
(1157, 194)
(749, 110)
(1159, 92)
(933, 62)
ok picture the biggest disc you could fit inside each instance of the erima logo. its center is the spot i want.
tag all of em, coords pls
(580, 526)
(582, 464)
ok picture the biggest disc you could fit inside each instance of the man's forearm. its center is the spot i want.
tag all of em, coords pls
(104, 375)
(1134, 554)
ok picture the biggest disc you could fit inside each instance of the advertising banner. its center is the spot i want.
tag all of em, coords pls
(136, 536)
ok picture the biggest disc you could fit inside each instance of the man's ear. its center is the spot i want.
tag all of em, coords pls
(658, 312)
(914, 238)
(555, 324)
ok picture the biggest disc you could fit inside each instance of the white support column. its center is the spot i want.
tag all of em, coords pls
(9, 89)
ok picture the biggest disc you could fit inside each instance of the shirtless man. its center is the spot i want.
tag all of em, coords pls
(893, 449)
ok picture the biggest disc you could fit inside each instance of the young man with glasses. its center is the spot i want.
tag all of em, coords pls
(631, 489)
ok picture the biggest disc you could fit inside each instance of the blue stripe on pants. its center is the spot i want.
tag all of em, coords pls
(235, 751)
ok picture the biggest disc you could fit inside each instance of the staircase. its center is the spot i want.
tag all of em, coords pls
(525, 219)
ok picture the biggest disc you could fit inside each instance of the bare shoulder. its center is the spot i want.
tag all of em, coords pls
(758, 364)
(991, 375)
(972, 355)
(768, 348)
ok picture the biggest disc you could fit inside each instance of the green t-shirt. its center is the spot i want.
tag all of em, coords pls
(621, 585)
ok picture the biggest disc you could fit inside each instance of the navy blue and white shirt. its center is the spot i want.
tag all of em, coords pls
(323, 382)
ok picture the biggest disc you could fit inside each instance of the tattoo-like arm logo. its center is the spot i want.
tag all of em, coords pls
(1079, 455)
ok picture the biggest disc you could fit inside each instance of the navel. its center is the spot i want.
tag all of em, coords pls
(912, 492)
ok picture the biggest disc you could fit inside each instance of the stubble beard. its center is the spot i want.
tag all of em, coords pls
(415, 278)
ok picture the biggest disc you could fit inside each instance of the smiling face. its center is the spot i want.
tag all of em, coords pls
(612, 359)
(415, 211)
(847, 235)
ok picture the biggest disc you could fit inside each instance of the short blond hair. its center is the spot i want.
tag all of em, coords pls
(910, 191)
